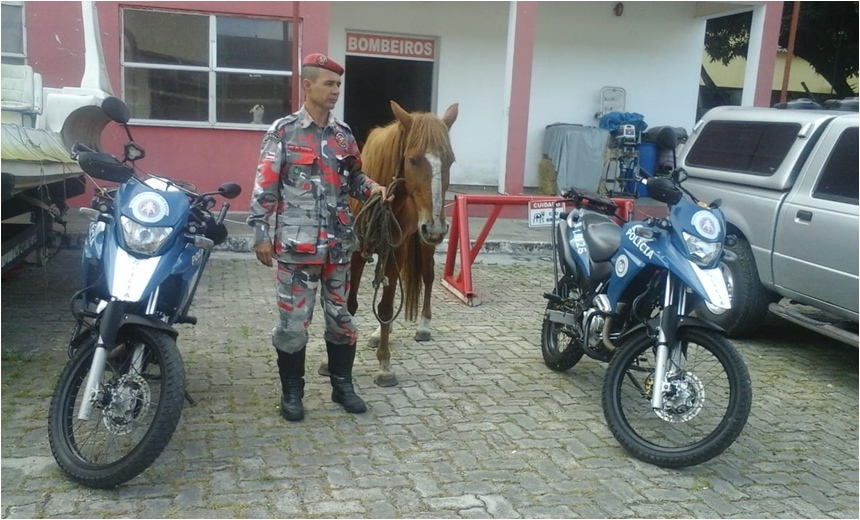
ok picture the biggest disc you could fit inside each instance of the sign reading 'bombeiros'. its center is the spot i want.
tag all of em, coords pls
(389, 46)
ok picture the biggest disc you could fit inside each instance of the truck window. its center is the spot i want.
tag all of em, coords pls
(755, 148)
(839, 178)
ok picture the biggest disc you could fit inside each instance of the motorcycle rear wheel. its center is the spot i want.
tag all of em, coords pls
(132, 425)
(711, 405)
(559, 344)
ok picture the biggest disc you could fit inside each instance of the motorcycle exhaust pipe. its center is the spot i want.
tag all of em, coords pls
(565, 318)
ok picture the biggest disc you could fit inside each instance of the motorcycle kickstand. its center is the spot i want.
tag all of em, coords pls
(188, 398)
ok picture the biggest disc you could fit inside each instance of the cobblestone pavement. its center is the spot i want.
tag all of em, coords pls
(479, 427)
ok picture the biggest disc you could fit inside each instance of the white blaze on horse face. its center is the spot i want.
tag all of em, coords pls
(436, 184)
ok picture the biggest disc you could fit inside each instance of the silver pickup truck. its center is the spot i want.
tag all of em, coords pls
(788, 180)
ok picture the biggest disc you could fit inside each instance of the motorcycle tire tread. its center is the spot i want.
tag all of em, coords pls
(713, 445)
(154, 441)
(558, 361)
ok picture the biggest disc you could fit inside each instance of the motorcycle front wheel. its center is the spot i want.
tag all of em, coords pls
(705, 407)
(560, 344)
(135, 415)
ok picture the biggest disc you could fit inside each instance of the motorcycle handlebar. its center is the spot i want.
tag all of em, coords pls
(223, 213)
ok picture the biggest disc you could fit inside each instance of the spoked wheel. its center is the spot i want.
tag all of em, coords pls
(134, 416)
(705, 407)
(560, 344)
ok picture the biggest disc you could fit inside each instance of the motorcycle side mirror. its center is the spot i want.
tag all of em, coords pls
(663, 189)
(116, 109)
(229, 190)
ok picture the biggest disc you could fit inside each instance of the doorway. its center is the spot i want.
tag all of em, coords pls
(374, 82)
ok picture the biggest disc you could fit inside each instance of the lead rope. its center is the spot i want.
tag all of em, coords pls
(379, 232)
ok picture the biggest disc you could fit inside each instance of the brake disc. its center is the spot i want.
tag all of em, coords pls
(685, 401)
(130, 399)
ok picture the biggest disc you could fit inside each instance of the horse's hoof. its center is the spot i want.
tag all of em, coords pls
(423, 335)
(385, 380)
(373, 342)
(323, 369)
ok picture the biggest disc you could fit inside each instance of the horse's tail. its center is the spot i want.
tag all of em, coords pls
(411, 277)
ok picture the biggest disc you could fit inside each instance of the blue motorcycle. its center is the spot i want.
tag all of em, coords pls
(120, 397)
(676, 393)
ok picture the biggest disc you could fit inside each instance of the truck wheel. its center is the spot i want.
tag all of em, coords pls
(749, 297)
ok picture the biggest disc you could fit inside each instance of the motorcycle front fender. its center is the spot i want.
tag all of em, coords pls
(113, 318)
(148, 321)
(682, 322)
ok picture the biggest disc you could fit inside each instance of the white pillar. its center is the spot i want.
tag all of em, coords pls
(751, 73)
(506, 96)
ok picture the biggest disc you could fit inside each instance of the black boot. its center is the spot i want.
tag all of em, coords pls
(340, 360)
(292, 371)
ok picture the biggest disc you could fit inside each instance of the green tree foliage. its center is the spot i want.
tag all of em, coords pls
(827, 35)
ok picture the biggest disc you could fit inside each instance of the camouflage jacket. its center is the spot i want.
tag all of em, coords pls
(300, 180)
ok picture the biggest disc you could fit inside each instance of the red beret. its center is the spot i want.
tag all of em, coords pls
(322, 61)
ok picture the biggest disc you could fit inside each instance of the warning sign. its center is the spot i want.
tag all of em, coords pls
(540, 212)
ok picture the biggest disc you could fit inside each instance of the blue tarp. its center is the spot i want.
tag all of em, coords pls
(613, 120)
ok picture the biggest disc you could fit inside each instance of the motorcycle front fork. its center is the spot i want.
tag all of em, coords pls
(668, 351)
(93, 391)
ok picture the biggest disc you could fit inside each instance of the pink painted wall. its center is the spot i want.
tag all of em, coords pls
(204, 156)
(767, 58)
(518, 122)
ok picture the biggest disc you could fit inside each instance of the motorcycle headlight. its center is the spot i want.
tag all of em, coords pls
(143, 239)
(702, 253)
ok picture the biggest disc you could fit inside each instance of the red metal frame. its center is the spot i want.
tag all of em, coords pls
(461, 284)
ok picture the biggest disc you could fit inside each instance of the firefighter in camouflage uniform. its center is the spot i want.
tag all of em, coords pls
(309, 166)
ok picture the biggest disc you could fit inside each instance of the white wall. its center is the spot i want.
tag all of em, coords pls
(471, 67)
(653, 50)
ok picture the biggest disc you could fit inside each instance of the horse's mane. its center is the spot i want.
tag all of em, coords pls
(382, 154)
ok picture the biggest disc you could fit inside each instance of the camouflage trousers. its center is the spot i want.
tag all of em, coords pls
(297, 291)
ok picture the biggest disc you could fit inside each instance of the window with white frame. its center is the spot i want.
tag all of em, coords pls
(206, 69)
(12, 15)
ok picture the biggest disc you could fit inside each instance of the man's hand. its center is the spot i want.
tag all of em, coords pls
(265, 252)
(383, 191)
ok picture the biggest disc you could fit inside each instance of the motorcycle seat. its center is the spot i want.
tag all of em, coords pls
(602, 235)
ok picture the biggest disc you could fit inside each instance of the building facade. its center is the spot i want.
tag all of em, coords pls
(204, 79)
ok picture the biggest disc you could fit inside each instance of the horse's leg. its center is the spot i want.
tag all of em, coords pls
(428, 274)
(356, 269)
(373, 340)
(385, 310)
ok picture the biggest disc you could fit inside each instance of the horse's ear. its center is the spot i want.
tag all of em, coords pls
(451, 115)
(403, 116)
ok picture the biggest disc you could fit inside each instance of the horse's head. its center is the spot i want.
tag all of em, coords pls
(426, 167)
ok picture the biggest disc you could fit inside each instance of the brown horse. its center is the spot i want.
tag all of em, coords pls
(416, 148)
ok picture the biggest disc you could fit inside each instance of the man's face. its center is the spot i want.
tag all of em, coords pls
(325, 91)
